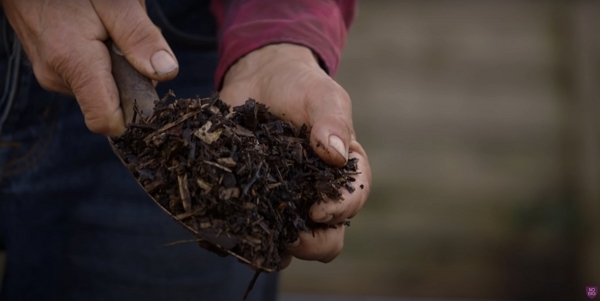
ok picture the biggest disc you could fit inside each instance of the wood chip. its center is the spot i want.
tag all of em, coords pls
(217, 165)
(206, 136)
(204, 185)
(184, 192)
(228, 162)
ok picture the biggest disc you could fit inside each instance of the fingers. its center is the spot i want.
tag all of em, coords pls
(86, 71)
(286, 260)
(63, 42)
(334, 212)
(137, 37)
(331, 122)
(324, 246)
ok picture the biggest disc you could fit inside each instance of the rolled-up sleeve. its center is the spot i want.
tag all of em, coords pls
(246, 25)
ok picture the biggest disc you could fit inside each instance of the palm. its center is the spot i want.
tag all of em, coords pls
(302, 93)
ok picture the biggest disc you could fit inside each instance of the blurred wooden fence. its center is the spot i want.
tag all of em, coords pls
(481, 119)
(583, 54)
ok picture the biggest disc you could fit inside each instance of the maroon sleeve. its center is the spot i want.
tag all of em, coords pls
(246, 25)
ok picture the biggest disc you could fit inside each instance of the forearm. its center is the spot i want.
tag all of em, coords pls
(246, 25)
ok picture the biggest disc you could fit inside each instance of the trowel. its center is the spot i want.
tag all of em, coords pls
(138, 96)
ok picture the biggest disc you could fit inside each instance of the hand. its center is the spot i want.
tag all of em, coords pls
(64, 40)
(288, 79)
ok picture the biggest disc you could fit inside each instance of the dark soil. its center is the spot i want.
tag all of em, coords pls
(241, 180)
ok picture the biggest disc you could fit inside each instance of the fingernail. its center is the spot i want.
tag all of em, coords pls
(337, 144)
(294, 244)
(163, 62)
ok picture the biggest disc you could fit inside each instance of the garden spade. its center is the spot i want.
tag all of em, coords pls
(138, 97)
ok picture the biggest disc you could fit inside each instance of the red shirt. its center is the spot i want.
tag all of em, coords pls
(246, 25)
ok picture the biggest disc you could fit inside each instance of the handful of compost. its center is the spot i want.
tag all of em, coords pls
(240, 179)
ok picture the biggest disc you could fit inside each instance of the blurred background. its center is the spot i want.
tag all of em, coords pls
(482, 123)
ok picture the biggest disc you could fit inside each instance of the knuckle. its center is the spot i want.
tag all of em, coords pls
(342, 95)
(353, 213)
(59, 58)
(94, 124)
(346, 212)
(139, 33)
(55, 63)
(98, 117)
(71, 68)
(334, 252)
(47, 79)
(98, 123)
(79, 72)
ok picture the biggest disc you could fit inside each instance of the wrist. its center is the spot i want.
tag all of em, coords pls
(270, 57)
(283, 51)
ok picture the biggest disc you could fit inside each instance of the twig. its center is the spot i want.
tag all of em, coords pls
(251, 284)
(184, 192)
(182, 242)
(253, 180)
(217, 166)
(170, 125)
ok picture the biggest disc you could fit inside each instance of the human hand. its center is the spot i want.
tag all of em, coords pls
(64, 40)
(288, 79)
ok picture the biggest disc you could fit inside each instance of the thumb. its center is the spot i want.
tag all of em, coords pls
(331, 134)
(137, 37)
